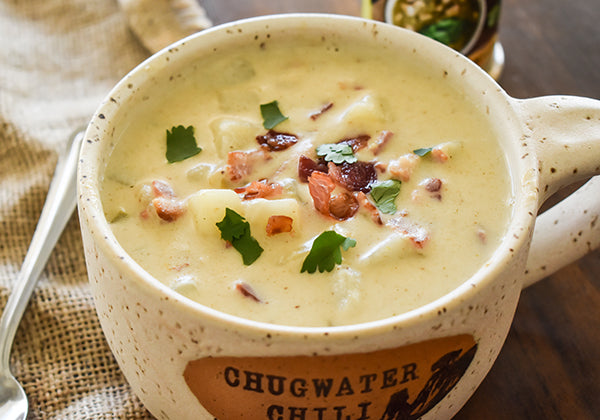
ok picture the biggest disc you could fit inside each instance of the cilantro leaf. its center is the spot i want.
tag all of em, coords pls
(271, 115)
(233, 226)
(422, 151)
(325, 252)
(181, 144)
(384, 194)
(248, 247)
(337, 153)
(236, 230)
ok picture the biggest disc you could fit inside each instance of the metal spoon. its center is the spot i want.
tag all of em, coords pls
(58, 208)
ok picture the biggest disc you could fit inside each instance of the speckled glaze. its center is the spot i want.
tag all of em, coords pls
(155, 333)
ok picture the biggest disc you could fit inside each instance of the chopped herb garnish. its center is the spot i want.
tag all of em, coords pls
(384, 194)
(337, 153)
(271, 115)
(236, 230)
(423, 151)
(120, 215)
(181, 144)
(447, 31)
(325, 252)
(493, 15)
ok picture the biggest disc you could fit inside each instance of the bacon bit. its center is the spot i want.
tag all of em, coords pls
(334, 171)
(434, 187)
(438, 155)
(279, 224)
(275, 141)
(167, 206)
(431, 187)
(168, 209)
(340, 206)
(306, 166)
(240, 164)
(382, 139)
(343, 206)
(369, 207)
(260, 189)
(144, 214)
(482, 235)
(237, 165)
(419, 241)
(381, 167)
(433, 184)
(162, 189)
(320, 186)
(179, 267)
(324, 109)
(357, 176)
(403, 167)
(246, 290)
(356, 143)
(348, 85)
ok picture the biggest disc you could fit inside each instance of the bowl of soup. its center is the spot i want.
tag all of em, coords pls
(315, 216)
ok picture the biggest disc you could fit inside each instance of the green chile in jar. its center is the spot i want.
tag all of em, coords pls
(452, 22)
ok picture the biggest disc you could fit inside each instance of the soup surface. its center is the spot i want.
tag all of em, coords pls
(309, 183)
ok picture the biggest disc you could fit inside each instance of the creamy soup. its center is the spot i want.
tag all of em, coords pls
(308, 183)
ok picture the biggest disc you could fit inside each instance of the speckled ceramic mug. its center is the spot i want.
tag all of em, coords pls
(186, 361)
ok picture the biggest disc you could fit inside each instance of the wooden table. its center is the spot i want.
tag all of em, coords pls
(549, 367)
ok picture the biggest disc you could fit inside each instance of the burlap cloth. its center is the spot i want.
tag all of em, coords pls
(58, 59)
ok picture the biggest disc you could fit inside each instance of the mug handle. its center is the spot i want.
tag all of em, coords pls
(566, 134)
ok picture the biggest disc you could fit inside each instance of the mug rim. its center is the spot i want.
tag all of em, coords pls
(90, 205)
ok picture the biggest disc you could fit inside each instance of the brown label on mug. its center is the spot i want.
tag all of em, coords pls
(401, 383)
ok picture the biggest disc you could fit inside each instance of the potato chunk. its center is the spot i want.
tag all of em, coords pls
(395, 246)
(444, 151)
(208, 208)
(362, 114)
(233, 134)
(186, 286)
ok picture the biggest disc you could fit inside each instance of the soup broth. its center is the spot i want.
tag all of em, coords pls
(395, 172)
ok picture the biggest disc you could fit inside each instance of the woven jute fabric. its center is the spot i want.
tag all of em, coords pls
(58, 60)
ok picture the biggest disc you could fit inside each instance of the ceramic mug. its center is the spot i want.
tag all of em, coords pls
(187, 361)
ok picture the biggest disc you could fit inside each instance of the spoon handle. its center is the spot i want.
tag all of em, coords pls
(57, 210)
